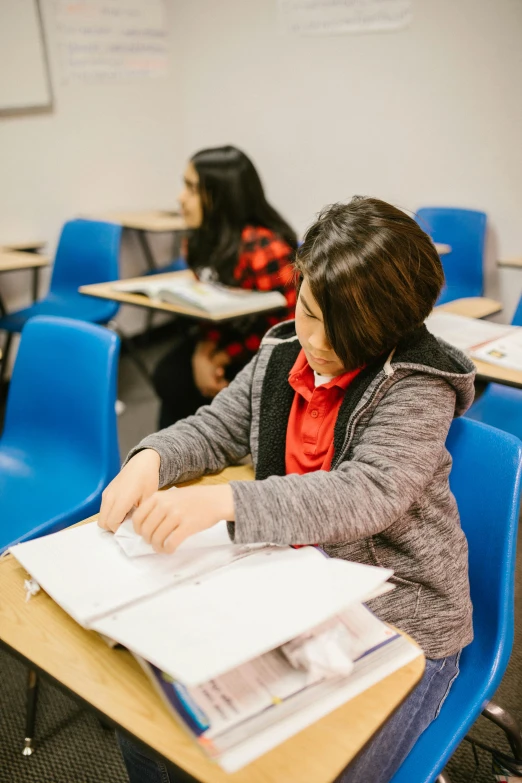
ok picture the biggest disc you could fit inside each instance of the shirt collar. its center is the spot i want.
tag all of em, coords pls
(301, 377)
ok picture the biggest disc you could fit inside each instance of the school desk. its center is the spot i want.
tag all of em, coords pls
(28, 247)
(15, 260)
(107, 291)
(472, 306)
(517, 262)
(111, 682)
(442, 249)
(144, 222)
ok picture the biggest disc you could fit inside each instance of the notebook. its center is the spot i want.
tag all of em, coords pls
(217, 621)
(209, 298)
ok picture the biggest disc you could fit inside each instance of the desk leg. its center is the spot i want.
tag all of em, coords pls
(36, 278)
(30, 718)
(147, 252)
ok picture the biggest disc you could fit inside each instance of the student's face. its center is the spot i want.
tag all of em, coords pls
(190, 198)
(310, 331)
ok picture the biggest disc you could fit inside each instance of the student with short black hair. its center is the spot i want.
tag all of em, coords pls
(236, 238)
(345, 413)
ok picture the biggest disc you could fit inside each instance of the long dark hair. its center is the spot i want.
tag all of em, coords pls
(374, 274)
(232, 197)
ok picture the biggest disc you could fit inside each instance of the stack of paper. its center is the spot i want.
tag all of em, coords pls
(462, 332)
(246, 644)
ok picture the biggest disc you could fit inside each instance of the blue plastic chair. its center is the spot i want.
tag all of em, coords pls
(88, 252)
(485, 479)
(59, 448)
(501, 406)
(465, 231)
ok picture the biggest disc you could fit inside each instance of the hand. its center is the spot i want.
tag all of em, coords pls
(166, 519)
(136, 482)
(209, 375)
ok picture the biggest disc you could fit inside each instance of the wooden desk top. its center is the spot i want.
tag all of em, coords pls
(13, 260)
(442, 249)
(27, 246)
(472, 306)
(145, 220)
(113, 683)
(510, 262)
(107, 291)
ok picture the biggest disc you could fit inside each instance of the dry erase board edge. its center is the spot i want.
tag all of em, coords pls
(40, 108)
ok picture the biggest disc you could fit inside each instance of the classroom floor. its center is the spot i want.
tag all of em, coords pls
(73, 747)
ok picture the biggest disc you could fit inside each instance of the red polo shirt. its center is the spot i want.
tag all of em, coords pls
(310, 429)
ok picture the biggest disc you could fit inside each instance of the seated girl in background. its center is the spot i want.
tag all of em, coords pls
(238, 239)
(345, 413)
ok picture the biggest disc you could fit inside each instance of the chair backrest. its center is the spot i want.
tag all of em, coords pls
(62, 394)
(465, 231)
(485, 479)
(88, 252)
(517, 317)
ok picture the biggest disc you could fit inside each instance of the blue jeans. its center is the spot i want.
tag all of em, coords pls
(377, 762)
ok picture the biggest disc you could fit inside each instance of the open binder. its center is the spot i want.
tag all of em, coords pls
(220, 628)
(209, 298)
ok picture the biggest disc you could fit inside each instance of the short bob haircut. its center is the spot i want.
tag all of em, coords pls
(374, 274)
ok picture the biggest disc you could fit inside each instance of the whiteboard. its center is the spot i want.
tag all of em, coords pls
(24, 73)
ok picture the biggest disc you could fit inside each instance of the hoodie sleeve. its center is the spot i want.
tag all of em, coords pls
(398, 453)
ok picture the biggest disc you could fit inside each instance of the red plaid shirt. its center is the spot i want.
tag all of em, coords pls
(264, 264)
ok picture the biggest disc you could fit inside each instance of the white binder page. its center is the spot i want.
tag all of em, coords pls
(197, 631)
(86, 571)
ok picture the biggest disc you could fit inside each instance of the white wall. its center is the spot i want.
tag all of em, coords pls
(105, 146)
(431, 114)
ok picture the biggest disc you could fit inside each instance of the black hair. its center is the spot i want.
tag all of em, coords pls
(232, 197)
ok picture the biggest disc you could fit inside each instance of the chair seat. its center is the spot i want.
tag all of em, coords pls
(31, 504)
(77, 306)
(451, 292)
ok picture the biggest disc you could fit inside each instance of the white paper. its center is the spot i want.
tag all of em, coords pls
(89, 575)
(504, 352)
(314, 704)
(330, 17)
(463, 332)
(246, 609)
(208, 297)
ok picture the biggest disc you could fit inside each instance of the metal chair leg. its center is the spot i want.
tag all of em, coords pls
(3, 364)
(443, 777)
(509, 726)
(133, 354)
(30, 717)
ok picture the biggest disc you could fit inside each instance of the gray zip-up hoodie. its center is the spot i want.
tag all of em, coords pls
(385, 501)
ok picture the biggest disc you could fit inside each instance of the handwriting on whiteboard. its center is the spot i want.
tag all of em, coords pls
(332, 17)
(110, 40)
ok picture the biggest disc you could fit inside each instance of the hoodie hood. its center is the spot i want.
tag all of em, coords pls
(420, 351)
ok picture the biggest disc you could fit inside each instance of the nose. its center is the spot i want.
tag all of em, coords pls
(318, 340)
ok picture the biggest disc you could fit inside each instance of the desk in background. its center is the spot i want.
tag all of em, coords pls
(516, 262)
(111, 682)
(145, 222)
(442, 249)
(107, 291)
(15, 260)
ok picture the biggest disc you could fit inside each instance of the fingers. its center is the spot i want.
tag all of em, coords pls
(172, 541)
(113, 510)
